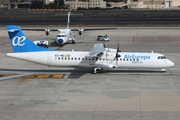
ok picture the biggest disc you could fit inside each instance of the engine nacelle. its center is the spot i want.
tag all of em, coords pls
(47, 31)
(81, 31)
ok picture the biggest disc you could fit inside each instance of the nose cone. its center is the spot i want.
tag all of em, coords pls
(170, 63)
(60, 41)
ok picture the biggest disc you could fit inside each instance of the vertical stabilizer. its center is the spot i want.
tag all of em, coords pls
(68, 22)
(20, 43)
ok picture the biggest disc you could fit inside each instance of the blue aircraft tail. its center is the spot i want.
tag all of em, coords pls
(19, 41)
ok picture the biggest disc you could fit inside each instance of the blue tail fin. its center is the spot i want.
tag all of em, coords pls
(19, 41)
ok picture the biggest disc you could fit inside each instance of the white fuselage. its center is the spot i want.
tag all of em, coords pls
(64, 36)
(107, 60)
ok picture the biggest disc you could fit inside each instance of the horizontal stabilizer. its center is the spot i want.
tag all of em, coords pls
(13, 30)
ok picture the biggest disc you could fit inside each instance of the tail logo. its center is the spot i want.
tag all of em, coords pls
(18, 41)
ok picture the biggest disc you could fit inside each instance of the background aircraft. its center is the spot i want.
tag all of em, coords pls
(65, 35)
(98, 59)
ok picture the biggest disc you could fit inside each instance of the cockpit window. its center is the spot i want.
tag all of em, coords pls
(61, 35)
(161, 57)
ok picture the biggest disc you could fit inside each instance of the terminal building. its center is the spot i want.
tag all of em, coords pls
(74, 5)
(148, 4)
(86, 4)
(153, 4)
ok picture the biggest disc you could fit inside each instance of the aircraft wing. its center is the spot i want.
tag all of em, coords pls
(38, 29)
(14, 76)
(45, 29)
(97, 51)
(91, 29)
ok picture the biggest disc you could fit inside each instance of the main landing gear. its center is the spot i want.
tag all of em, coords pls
(96, 70)
(163, 70)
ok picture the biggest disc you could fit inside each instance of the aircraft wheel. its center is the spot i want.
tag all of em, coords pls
(163, 70)
(73, 42)
(96, 70)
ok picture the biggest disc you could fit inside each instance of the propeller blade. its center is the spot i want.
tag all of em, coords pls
(117, 55)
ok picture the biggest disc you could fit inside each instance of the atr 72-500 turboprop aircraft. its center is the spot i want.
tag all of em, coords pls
(98, 59)
(66, 35)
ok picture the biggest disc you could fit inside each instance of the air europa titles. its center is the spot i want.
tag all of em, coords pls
(144, 57)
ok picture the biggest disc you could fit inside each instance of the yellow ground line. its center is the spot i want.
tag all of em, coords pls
(58, 76)
(22, 80)
(42, 76)
(6, 74)
(39, 76)
(29, 76)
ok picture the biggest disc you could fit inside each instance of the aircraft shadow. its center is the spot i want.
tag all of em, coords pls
(74, 73)
(133, 71)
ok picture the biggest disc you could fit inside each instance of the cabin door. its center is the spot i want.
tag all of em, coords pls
(105, 59)
(49, 60)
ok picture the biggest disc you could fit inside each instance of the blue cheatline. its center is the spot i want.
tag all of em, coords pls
(20, 43)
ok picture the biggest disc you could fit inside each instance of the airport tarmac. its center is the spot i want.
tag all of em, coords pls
(80, 95)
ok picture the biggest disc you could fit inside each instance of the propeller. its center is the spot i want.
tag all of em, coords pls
(47, 32)
(117, 55)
